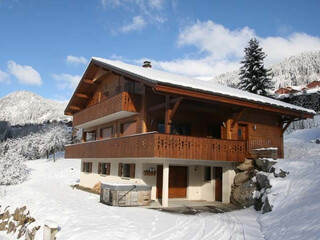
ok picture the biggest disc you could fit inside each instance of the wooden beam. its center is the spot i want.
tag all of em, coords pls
(167, 126)
(161, 105)
(101, 74)
(232, 101)
(88, 81)
(175, 108)
(68, 113)
(82, 95)
(286, 126)
(75, 108)
(236, 119)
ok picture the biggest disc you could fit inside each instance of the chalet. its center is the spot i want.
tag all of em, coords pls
(182, 136)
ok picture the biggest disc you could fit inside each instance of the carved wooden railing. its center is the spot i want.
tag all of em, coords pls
(156, 145)
(122, 102)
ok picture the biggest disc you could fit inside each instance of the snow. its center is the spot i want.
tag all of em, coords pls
(80, 215)
(157, 76)
(295, 199)
(293, 71)
(23, 107)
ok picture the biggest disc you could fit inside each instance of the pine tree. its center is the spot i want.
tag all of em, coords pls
(254, 77)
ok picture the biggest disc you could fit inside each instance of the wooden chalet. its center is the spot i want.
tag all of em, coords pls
(182, 136)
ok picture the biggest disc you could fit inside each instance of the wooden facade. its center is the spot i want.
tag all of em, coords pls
(162, 121)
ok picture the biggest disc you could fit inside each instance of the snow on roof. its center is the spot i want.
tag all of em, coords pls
(161, 77)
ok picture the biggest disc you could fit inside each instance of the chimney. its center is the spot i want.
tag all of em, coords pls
(147, 64)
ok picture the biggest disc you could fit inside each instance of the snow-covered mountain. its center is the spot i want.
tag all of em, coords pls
(293, 71)
(23, 107)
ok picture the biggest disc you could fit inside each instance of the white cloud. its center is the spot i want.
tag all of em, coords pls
(136, 25)
(4, 77)
(76, 60)
(158, 4)
(66, 81)
(25, 74)
(219, 49)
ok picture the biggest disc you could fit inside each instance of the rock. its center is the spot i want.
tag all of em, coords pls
(318, 140)
(97, 187)
(263, 181)
(264, 164)
(5, 215)
(16, 214)
(241, 177)
(257, 204)
(22, 231)
(281, 174)
(3, 226)
(266, 207)
(11, 227)
(22, 209)
(242, 195)
(247, 165)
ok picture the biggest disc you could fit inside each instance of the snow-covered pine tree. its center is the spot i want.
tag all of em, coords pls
(13, 168)
(254, 77)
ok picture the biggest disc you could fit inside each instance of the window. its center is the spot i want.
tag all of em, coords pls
(127, 170)
(214, 131)
(207, 174)
(91, 136)
(128, 128)
(87, 167)
(106, 133)
(104, 168)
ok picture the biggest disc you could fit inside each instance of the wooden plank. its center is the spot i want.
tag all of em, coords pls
(88, 81)
(82, 95)
(75, 108)
(232, 101)
(101, 74)
(286, 126)
(168, 111)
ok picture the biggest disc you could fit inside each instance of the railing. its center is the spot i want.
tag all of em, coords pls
(156, 145)
(122, 102)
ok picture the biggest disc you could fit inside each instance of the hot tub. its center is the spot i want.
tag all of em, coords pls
(125, 194)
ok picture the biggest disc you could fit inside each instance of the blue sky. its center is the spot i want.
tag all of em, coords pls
(45, 45)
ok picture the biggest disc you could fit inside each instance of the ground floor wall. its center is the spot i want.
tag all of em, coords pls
(200, 186)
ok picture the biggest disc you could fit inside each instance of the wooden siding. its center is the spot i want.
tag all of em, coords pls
(156, 145)
(121, 102)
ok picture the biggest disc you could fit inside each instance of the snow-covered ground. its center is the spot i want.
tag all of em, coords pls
(296, 213)
(48, 195)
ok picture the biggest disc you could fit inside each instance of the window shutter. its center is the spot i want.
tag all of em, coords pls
(90, 167)
(99, 167)
(132, 170)
(108, 168)
(83, 166)
(120, 169)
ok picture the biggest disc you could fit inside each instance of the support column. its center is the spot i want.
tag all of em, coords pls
(228, 174)
(165, 184)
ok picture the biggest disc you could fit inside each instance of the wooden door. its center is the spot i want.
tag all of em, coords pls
(218, 183)
(177, 181)
(242, 132)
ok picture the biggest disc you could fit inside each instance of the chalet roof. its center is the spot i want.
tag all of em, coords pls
(160, 77)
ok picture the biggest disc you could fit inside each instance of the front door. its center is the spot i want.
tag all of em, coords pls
(242, 132)
(177, 181)
(218, 183)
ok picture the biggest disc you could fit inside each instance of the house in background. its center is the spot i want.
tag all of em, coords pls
(307, 96)
(182, 136)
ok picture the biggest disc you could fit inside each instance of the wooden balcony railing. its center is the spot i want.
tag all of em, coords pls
(156, 145)
(122, 102)
(257, 143)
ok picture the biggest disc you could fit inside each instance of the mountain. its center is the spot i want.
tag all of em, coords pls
(23, 107)
(293, 71)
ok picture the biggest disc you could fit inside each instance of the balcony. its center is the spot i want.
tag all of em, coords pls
(122, 105)
(156, 145)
